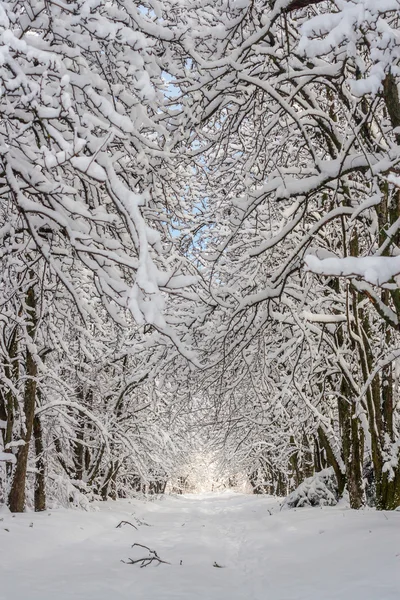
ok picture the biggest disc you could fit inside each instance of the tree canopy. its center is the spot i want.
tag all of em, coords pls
(200, 214)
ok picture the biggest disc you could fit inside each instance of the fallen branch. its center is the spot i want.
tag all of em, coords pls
(144, 562)
(125, 523)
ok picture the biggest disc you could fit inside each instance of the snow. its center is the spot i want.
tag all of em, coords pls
(15, 444)
(377, 270)
(324, 553)
(318, 490)
(7, 457)
(87, 165)
(322, 318)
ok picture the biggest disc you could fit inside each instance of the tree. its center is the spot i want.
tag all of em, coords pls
(85, 164)
(294, 131)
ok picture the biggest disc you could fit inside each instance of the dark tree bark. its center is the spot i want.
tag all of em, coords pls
(332, 461)
(352, 447)
(40, 482)
(317, 456)
(298, 4)
(9, 404)
(392, 101)
(16, 498)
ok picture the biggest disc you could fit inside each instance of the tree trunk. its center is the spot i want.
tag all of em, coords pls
(40, 482)
(352, 446)
(317, 456)
(332, 460)
(9, 403)
(16, 498)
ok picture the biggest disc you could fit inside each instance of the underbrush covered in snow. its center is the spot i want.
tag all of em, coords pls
(319, 490)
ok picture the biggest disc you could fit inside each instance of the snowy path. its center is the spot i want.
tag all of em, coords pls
(308, 554)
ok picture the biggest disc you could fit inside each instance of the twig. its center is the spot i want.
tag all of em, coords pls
(144, 562)
(140, 522)
(125, 523)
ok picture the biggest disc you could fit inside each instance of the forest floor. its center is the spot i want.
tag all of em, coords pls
(264, 553)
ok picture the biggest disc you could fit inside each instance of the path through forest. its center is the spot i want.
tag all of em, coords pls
(265, 553)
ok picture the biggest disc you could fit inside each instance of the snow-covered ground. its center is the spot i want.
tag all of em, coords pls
(313, 554)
